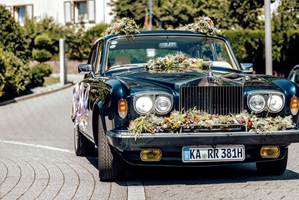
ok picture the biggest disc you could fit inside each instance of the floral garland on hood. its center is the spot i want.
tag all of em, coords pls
(176, 63)
(194, 120)
(128, 26)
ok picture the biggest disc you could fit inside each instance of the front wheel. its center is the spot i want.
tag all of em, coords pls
(111, 165)
(83, 147)
(276, 167)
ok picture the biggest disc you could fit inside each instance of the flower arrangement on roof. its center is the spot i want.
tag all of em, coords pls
(178, 62)
(194, 120)
(202, 25)
(124, 26)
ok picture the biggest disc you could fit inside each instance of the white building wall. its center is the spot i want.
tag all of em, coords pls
(55, 9)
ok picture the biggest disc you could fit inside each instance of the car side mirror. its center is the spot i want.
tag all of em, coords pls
(84, 69)
(247, 67)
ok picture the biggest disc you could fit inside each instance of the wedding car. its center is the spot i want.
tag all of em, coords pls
(180, 98)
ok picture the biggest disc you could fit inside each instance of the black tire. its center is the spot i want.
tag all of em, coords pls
(83, 147)
(111, 165)
(277, 167)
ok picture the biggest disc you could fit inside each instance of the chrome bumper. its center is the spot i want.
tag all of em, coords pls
(124, 140)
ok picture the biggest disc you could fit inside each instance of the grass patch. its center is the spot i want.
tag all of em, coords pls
(51, 80)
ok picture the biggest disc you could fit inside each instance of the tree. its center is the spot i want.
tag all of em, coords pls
(171, 13)
(226, 14)
(182, 12)
(135, 9)
(244, 14)
(286, 16)
(12, 37)
(218, 11)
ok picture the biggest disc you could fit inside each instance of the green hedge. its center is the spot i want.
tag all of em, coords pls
(249, 46)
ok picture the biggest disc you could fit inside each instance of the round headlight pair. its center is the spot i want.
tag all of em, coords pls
(145, 104)
(257, 103)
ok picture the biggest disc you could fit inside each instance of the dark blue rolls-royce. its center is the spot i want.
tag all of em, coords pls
(180, 98)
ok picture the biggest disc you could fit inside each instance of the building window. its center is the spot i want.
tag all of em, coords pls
(80, 11)
(20, 12)
(20, 15)
(77, 11)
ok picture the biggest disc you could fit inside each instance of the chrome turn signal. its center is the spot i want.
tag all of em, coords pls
(294, 105)
(150, 154)
(270, 151)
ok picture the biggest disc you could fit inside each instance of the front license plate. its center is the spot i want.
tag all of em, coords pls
(217, 154)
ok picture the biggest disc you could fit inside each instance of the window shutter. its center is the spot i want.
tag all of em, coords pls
(8, 8)
(91, 11)
(29, 11)
(68, 12)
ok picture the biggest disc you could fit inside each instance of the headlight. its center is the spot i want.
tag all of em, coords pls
(275, 103)
(144, 104)
(159, 103)
(163, 105)
(257, 103)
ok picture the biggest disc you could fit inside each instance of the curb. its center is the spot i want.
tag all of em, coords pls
(22, 98)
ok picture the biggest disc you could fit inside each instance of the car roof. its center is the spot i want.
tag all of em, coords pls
(163, 32)
(296, 67)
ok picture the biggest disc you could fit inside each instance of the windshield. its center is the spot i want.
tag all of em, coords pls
(125, 52)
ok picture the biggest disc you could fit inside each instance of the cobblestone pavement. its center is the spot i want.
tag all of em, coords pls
(37, 162)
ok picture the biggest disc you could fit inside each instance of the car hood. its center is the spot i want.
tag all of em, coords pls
(146, 80)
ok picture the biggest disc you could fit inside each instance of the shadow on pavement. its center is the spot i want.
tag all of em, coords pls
(236, 173)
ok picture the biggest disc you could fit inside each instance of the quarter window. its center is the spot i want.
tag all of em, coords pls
(99, 58)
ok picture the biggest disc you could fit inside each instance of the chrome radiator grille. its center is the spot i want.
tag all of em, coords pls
(222, 100)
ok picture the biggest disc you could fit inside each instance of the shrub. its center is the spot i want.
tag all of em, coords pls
(43, 41)
(80, 41)
(38, 72)
(41, 55)
(45, 28)
(14, 75)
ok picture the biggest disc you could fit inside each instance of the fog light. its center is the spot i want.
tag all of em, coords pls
(270, 151)
(150, 154)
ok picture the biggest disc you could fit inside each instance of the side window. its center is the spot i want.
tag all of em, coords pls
(93, 57)
(99, 58)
